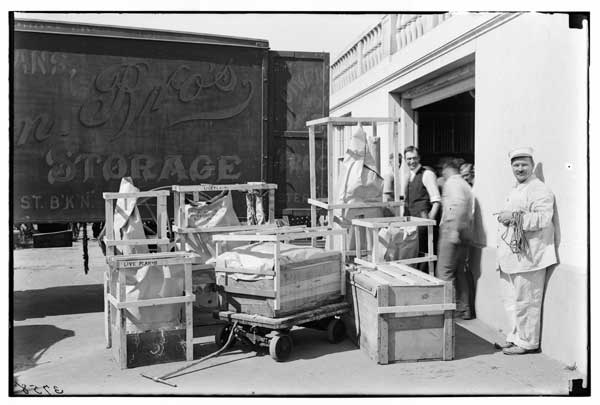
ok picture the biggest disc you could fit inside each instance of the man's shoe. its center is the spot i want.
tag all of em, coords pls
(504, 345)
(518, 350)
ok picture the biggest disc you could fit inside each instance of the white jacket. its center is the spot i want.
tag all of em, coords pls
(536, 201)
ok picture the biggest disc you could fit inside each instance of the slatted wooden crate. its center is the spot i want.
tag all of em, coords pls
(295, 287)
(400, 314)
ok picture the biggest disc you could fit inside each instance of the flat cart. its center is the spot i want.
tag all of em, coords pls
(274, 333)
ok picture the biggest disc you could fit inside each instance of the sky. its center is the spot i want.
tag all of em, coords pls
(330, 33)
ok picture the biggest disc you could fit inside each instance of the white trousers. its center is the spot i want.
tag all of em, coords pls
(522, 295)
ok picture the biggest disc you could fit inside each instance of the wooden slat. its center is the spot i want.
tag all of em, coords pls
(176, 213)
(421, 259)
(152, 302)
(357, 242)
(313, 179)
(403, 309)
(136, 242)
(448, 332)
(271, 206)
(393, 222)
(249, 291)
(317, 203)
(383, 334)
(189, 317)
(225, 187)
(415, 272)
(374, 246)
(274, 230)
(245, 238)
(430, 248)
(277, 280)
(348, 121)
(121, 329)
(293, 299)
(330, 206)
(331, 192)
(365, 263)
(160, 255)
(397, 273)
(132, 264)
(223, 229)
(109, 226)
(107, 325)
(163, 218)
(112, 300)
(139, 194)
(309, 233)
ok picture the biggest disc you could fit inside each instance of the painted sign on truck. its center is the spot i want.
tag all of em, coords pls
(89, 110)
(93, 104)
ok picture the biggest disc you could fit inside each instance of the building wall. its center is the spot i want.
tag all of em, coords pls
(531, 87)
(531, 90)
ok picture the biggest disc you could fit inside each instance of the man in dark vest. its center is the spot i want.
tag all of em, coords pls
(421, 199)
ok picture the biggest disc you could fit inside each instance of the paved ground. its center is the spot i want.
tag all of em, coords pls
(59, 341)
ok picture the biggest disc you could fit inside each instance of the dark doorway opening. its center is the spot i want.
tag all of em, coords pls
(447, 129)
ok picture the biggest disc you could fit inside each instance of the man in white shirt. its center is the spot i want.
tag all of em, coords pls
(525, 249)
(421, 199)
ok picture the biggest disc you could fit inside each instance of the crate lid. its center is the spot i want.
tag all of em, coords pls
(392, 274)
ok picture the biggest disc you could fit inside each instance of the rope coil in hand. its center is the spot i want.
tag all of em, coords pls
(518, 242)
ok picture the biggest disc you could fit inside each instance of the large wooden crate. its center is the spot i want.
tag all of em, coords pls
(295, 287)
(400, 314)
(304, 285)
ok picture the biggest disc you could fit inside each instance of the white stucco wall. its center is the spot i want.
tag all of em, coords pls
(531, 90)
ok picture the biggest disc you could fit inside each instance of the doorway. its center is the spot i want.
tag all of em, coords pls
(446, 128)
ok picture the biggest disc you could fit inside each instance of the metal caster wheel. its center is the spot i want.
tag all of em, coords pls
(222, 335)
(280, 347)
(336, 331)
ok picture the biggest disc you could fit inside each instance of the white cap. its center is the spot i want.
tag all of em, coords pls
(521, 152)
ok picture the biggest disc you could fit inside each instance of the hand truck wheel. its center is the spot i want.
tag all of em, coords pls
(280, 347)
(222, 335)
(336, 330)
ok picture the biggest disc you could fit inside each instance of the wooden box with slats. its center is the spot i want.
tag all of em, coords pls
(400, 314)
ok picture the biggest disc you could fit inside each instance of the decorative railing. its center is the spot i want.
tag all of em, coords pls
(393, 33)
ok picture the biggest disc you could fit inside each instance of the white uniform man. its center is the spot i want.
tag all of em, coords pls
(525, 249)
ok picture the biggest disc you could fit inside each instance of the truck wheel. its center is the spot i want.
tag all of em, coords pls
(222, 335)
(336, 331)
(280, 347)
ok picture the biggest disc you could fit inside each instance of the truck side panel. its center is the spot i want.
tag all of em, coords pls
(298, 92)
(89, 110)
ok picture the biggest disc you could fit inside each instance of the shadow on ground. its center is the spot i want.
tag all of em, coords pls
(468, 344)
(77, 299)
(30, 342)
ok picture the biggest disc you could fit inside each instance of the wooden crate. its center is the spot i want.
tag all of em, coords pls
(400, 314)
(337, 136)
(296, 287)
(374, 225)
(304, 285)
